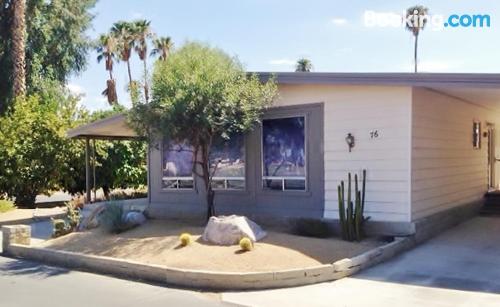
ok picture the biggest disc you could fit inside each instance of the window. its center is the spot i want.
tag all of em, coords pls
(227, 158)
(177, 165)
(476, 135)
(283, 154)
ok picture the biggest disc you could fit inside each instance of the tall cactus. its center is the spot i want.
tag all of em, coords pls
(351, 216)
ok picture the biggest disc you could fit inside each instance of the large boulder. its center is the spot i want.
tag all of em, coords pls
(228, 230)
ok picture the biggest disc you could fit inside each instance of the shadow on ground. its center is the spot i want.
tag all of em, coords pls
(13, 267)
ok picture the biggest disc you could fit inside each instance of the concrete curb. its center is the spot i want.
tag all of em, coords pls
(209, 279)
(32, 219)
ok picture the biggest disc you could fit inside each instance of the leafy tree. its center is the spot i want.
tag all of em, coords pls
(162, 47)
(199, 94)
(56, 43)
(304, 65)
(417, 23)
(119, 164)
(33, 146)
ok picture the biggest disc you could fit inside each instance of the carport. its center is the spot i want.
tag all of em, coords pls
(112, 129)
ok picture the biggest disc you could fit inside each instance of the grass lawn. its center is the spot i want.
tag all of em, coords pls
(6, 206)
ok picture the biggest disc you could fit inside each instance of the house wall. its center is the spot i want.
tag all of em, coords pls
(360, 110)
(446, 170)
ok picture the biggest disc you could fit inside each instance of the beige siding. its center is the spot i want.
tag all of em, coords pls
(359, 110)
(446, 170)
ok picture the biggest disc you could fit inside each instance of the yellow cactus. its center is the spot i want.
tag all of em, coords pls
(185, 239)
(246, 244)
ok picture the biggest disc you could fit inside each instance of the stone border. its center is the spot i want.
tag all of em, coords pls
(16, 245)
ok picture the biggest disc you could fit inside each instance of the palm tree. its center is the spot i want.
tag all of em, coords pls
(106, 50)
(162, 47)
(18, 35)
(416, 24)
(303, 65)
(123, 32)
(142, 33)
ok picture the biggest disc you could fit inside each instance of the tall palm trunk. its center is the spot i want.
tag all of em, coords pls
(415, 52)
(129, 74)
(146, 85)
(18, 33)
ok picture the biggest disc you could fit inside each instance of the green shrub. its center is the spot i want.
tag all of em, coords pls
(60, 227)
(112, 219)
(309, 227)
(6, 205)
(246, 244)
(68, 224)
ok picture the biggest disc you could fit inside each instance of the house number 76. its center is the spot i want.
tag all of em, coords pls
(374, 134)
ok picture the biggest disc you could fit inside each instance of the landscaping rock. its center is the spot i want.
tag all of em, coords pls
(228, 230)
(134, 218)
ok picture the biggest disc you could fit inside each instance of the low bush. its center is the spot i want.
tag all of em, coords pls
(6, 205)
(246, 244)
(185, 239)
(68, 224)
(113, 219)
(309, 227)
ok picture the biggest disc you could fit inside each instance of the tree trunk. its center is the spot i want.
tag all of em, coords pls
(415, 52)
(146, 85)
(18, 35)
(129, 75)
(207, 180)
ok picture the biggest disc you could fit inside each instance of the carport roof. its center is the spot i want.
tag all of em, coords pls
(114, 127)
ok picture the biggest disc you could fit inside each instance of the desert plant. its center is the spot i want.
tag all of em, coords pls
(246, 244)
(185, 239)
(6, 205)
(60, 227)
(113, 219)
(73, 215)
(352, 217)
(309, 227)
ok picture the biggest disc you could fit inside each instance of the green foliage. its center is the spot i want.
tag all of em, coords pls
(309, 227)
(56, 44)
(352, 219)
(34, 151)
(6, 205)
(200, 93)
(112, 219)
(61, 227)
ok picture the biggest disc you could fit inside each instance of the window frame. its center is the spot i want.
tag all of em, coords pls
(306, 156)
(245, 177)
(178, 178)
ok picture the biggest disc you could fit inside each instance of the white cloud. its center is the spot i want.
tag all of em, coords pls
(75, 89)
(282, 62)
(339, 21)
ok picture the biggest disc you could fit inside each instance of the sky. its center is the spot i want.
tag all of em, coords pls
(270, 35)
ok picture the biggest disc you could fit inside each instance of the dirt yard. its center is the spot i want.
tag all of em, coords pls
(157, 242)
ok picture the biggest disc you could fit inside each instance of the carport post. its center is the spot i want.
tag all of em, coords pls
(87, 171)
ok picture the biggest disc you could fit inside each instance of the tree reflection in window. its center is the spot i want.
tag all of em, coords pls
(284, 160)
(177, 165)
(227, 158)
